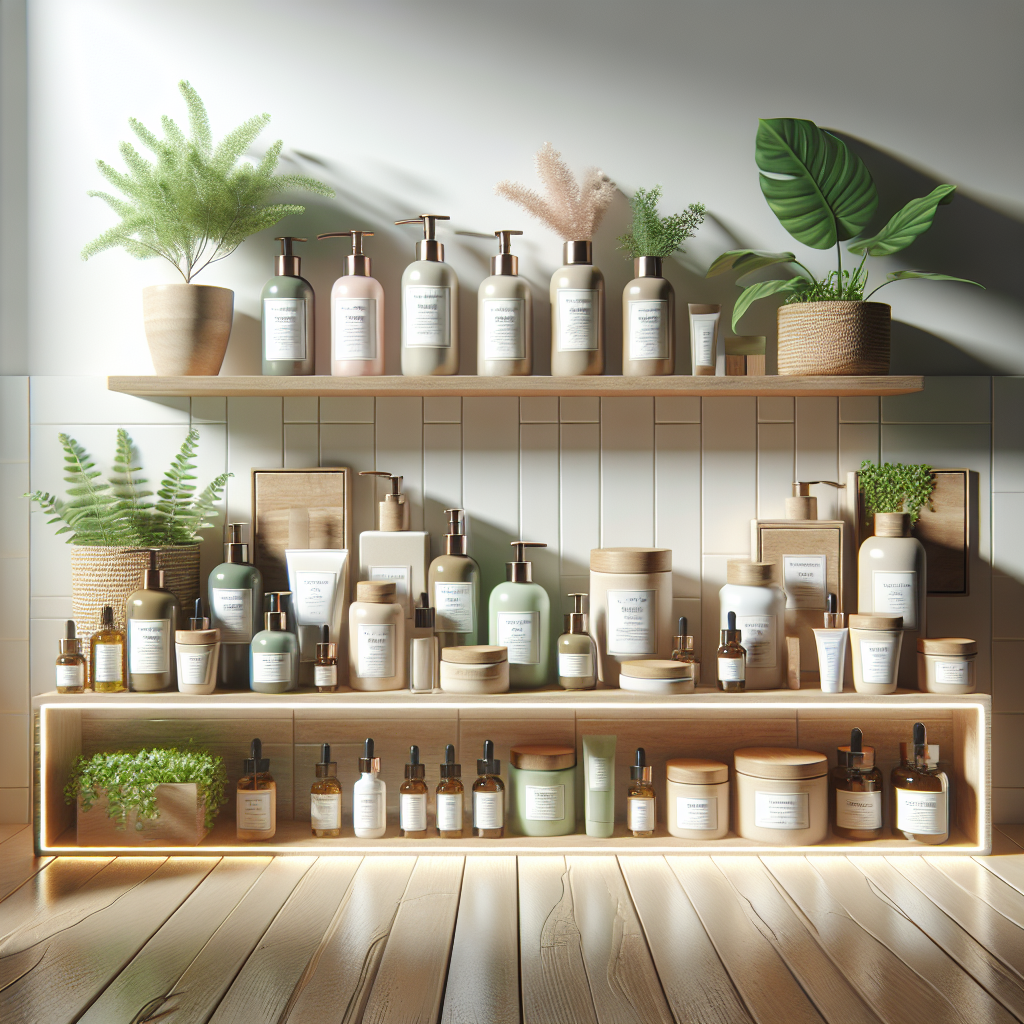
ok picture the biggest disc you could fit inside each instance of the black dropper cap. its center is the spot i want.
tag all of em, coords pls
(450, 769)
(107, 617)
(198, 621)
(831, 604)
(640, 770)
(424, 616)
(731, 634)
(325, 754)
(368, 763)
(856, 755)
(488, 764)
(255, 762)
(415, 770)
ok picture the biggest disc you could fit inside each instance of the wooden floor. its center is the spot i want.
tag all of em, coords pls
(494, 939)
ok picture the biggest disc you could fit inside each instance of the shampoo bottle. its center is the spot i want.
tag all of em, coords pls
(236, 609)
(520, 619)
(369, 797)
(275, 652)
(504, 317)
(577, 653)
(152, 615)
(287, 301)
(648, 322)
(453, 585)
(577, 313)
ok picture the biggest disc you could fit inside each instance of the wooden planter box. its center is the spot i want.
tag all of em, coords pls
(179, 822)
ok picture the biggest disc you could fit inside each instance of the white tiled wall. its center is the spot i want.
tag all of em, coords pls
(681, 473)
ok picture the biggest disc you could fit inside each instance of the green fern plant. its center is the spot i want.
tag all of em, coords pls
(193, 206)
(896, 488)
(654, 235)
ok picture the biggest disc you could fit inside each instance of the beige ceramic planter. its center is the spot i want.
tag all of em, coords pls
(833, 339)
(187, 327)
(179, 821)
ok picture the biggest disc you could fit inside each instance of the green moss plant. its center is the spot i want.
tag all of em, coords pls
(654, 235)
(896, 488)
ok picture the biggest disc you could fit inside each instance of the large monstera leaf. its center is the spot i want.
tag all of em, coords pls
(824, 193)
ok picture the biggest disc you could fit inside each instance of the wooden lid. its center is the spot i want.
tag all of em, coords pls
(631, 560)
(196, 636)
(947, 645)
(481, 654)
(892, 524)
(542, 757)
(657, 668)
(876, 620)
(742, 573)
(698, 771)
(375, 592)
(780, 762)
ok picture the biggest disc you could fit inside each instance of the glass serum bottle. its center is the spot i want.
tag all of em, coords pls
(453, 585)
(108, 665)
(449, 796)
(256, 797)
(520, 620)
(640, 806)
(369, 797)
(325, 671)
(275, 652)
(855, 792)
(488, 796)
(732, 659)
(576, 650)
(71, 666)
(412, 799)
(288, 321)
(920, 792)
(325, 797)
(235, 594)
(682, 650)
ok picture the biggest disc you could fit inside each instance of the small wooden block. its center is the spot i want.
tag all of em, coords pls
(793, 665)
(736, 366)
(755, 366)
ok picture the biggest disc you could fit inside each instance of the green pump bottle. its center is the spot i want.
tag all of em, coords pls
(520, 619)
(287, 311)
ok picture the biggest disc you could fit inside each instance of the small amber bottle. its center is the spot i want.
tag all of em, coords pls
(640, 807)
(71, 666)
(449, 795)
(920, 792)
(107, 664)
(682, 650)
(256, 798)
(325, 797)
(488, 796)
(412, 799)
(732, 659)
(855, 792)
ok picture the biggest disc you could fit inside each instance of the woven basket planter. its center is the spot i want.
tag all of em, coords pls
(833, 339)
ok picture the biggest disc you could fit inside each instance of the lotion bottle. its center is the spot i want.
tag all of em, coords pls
(430, 306)
(275, 652)
(453, 586)
(577, 313)
(369, 797)
(152, 615)
(520, 620)
(287, 313)
(504, 317)
(648, 321)
(236, 609)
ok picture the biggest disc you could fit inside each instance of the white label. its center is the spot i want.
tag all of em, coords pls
(858, 810)
(453, 604)
(577, 319)
(271, 668)
(149, 645)
(488, 810)
(367, 809)
(576, 666)
(354, 328)
(252, 810)
(803, 579)
(107, 659)
(878, 660)
(920, 813)
(231, 613)
(781, 810)
(697, 813)
(400, 576)
(449, 812)
(951, 673)
(520, 633)
(313, 600)
(895, 593)
(640, 814)
(427, 319)
(632, 627)
(412, 812)
(375, 651)
(71, 677)
(504, 326)
(601, 771)
(648, 329)
(325, 810)
(192, 667)
(703, 334)
(325, 675)
(731, 670)
(545, 803)
(284, 328)
(758, 640)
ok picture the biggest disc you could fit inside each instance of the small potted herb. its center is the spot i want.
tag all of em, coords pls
(895, 488)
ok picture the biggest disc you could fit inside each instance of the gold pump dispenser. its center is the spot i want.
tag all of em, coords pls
(428, 247)
(237, 551)
(455, 538)
(287, 264)
(152, 578)
(577, 618)
(520, 570)
(357, 263)
(394, 509)
(277, 619)
(802, 505)
(505, 264)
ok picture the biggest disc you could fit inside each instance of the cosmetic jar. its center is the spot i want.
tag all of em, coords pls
(542, 790)
(197, 652)
(656, 676)
(698, 798)
(946, 664)
(781, 795)
(875, 642)
(477, 669)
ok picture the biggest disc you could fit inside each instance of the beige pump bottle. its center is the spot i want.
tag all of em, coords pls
(504, 317)
(152, 615)
(577, 314)
(430, 306)
(648, 322)
(453, 585)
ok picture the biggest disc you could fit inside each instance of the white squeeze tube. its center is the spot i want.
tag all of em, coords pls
(831, 643)
(318, 578)
(704, 319)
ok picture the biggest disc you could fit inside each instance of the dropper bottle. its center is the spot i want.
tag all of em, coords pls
(325, 797)
(504, 316)
(640, 806)
(453, 585)
(683, 649)
(325, 671)
(449, 797)
(71, 667)
(369, 797)
(732, 658)
(287, 313)
(412, 799)
(488, 796)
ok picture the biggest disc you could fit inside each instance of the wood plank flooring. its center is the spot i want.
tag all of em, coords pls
(498, 939)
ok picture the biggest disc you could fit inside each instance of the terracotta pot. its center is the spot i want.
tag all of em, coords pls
(831, 339)
(187, 327)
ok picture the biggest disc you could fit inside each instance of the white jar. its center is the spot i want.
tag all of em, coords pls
(875, 643)
(698, 798)
(781, 795)
(946, 665)
(478, 669)
(656, 676)
(760, 607)
(376, 638)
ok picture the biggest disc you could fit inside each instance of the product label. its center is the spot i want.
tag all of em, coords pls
(449, 812)
(703, 336)
(697, 812)
(427, 317)
(577, 319)
(648, 329)
(192, 667)
(325, 810)
(271, 668)
(149, 645)
(253, 810)
(400, 576)
(858, 810)
(367, 810)
(71, 677)
(453, 604)
(640, 814)
(576, 666)
(488, 810)
(412, 812)
(731, 670)
(631, 622)
(231, 613)
(520, 633)
(782, 810)
(895, 593)
(354, 329)
(545, 803)
(504, 327)
(951, 673)
(107, 661)
(284, 328)
(325, 675)
(601, 771)
(375, 650)
(804, 578)
(878, 660)
(313, 599)
(758, 640)
(921, 813)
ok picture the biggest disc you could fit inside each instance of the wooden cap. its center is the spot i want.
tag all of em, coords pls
(657, 668)
(375, 592)
(947, 645)
(199, 636)
(780, 762)
(480, 654)
(875, 620)
(697, 771)
(892, 524)
(748, 574)
(542, 757)
(631, 560)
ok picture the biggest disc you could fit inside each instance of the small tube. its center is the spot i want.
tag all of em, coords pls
(599, 783)
(831, 644)
(704, 320)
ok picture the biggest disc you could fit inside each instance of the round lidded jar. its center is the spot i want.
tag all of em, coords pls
(698, 798)
(760, 606)
(542, 789)
(781, 795)
(476, 669)
(656, 676)
(875, 643)
(946, 664)
(630, 606)
(376, 638)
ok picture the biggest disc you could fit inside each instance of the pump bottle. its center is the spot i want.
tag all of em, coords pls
(577, 652)
(369, 797)
(275, 651)
(648, 321)
(236, 609)
(287, 308)
(152, 615)
(453, 585)
(504, 316)
(430, 306)
(520, 619)
(577, 313)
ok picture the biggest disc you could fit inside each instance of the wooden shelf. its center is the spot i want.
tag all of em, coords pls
(465, 386)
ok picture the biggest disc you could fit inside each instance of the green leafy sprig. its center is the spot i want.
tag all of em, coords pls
(653, 235)
(896, 488)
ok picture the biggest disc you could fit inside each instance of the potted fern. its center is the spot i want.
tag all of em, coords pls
(824, 195)
(112, 525)
(193, 206)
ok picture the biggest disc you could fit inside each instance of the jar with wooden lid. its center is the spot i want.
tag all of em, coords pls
(698, 798)
(542, 790)
(376, 638)
(630, 607)
(781, 795)
(482, 668)
(656, 676)
(875, 643)
(946, 664)
(760, 607)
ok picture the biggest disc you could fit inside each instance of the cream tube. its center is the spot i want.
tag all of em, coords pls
(704, 319)
(599, 779)
(831, 644)
(318, 578)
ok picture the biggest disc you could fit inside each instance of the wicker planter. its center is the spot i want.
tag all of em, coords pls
(832, 339)
(187, 327)
(179, 821)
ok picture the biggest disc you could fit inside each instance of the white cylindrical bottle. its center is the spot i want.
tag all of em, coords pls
(504, 317)
(369, 797)
(760, 607)
(648, 322)
(577, 314)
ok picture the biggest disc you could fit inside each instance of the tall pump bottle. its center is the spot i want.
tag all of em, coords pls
(236, 609)
(577, 313)
(453, 583)
(504, 317)
(648, 321)
(357, 314)
(287, 311)
(520, 619)
(152, 615)
(430, 306)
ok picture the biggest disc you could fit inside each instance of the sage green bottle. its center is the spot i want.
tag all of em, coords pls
(236, 608)
(520, 619)
(274, 666)
(286, 308)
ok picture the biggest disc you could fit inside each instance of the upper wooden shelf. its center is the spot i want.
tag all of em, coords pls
(459, 386)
